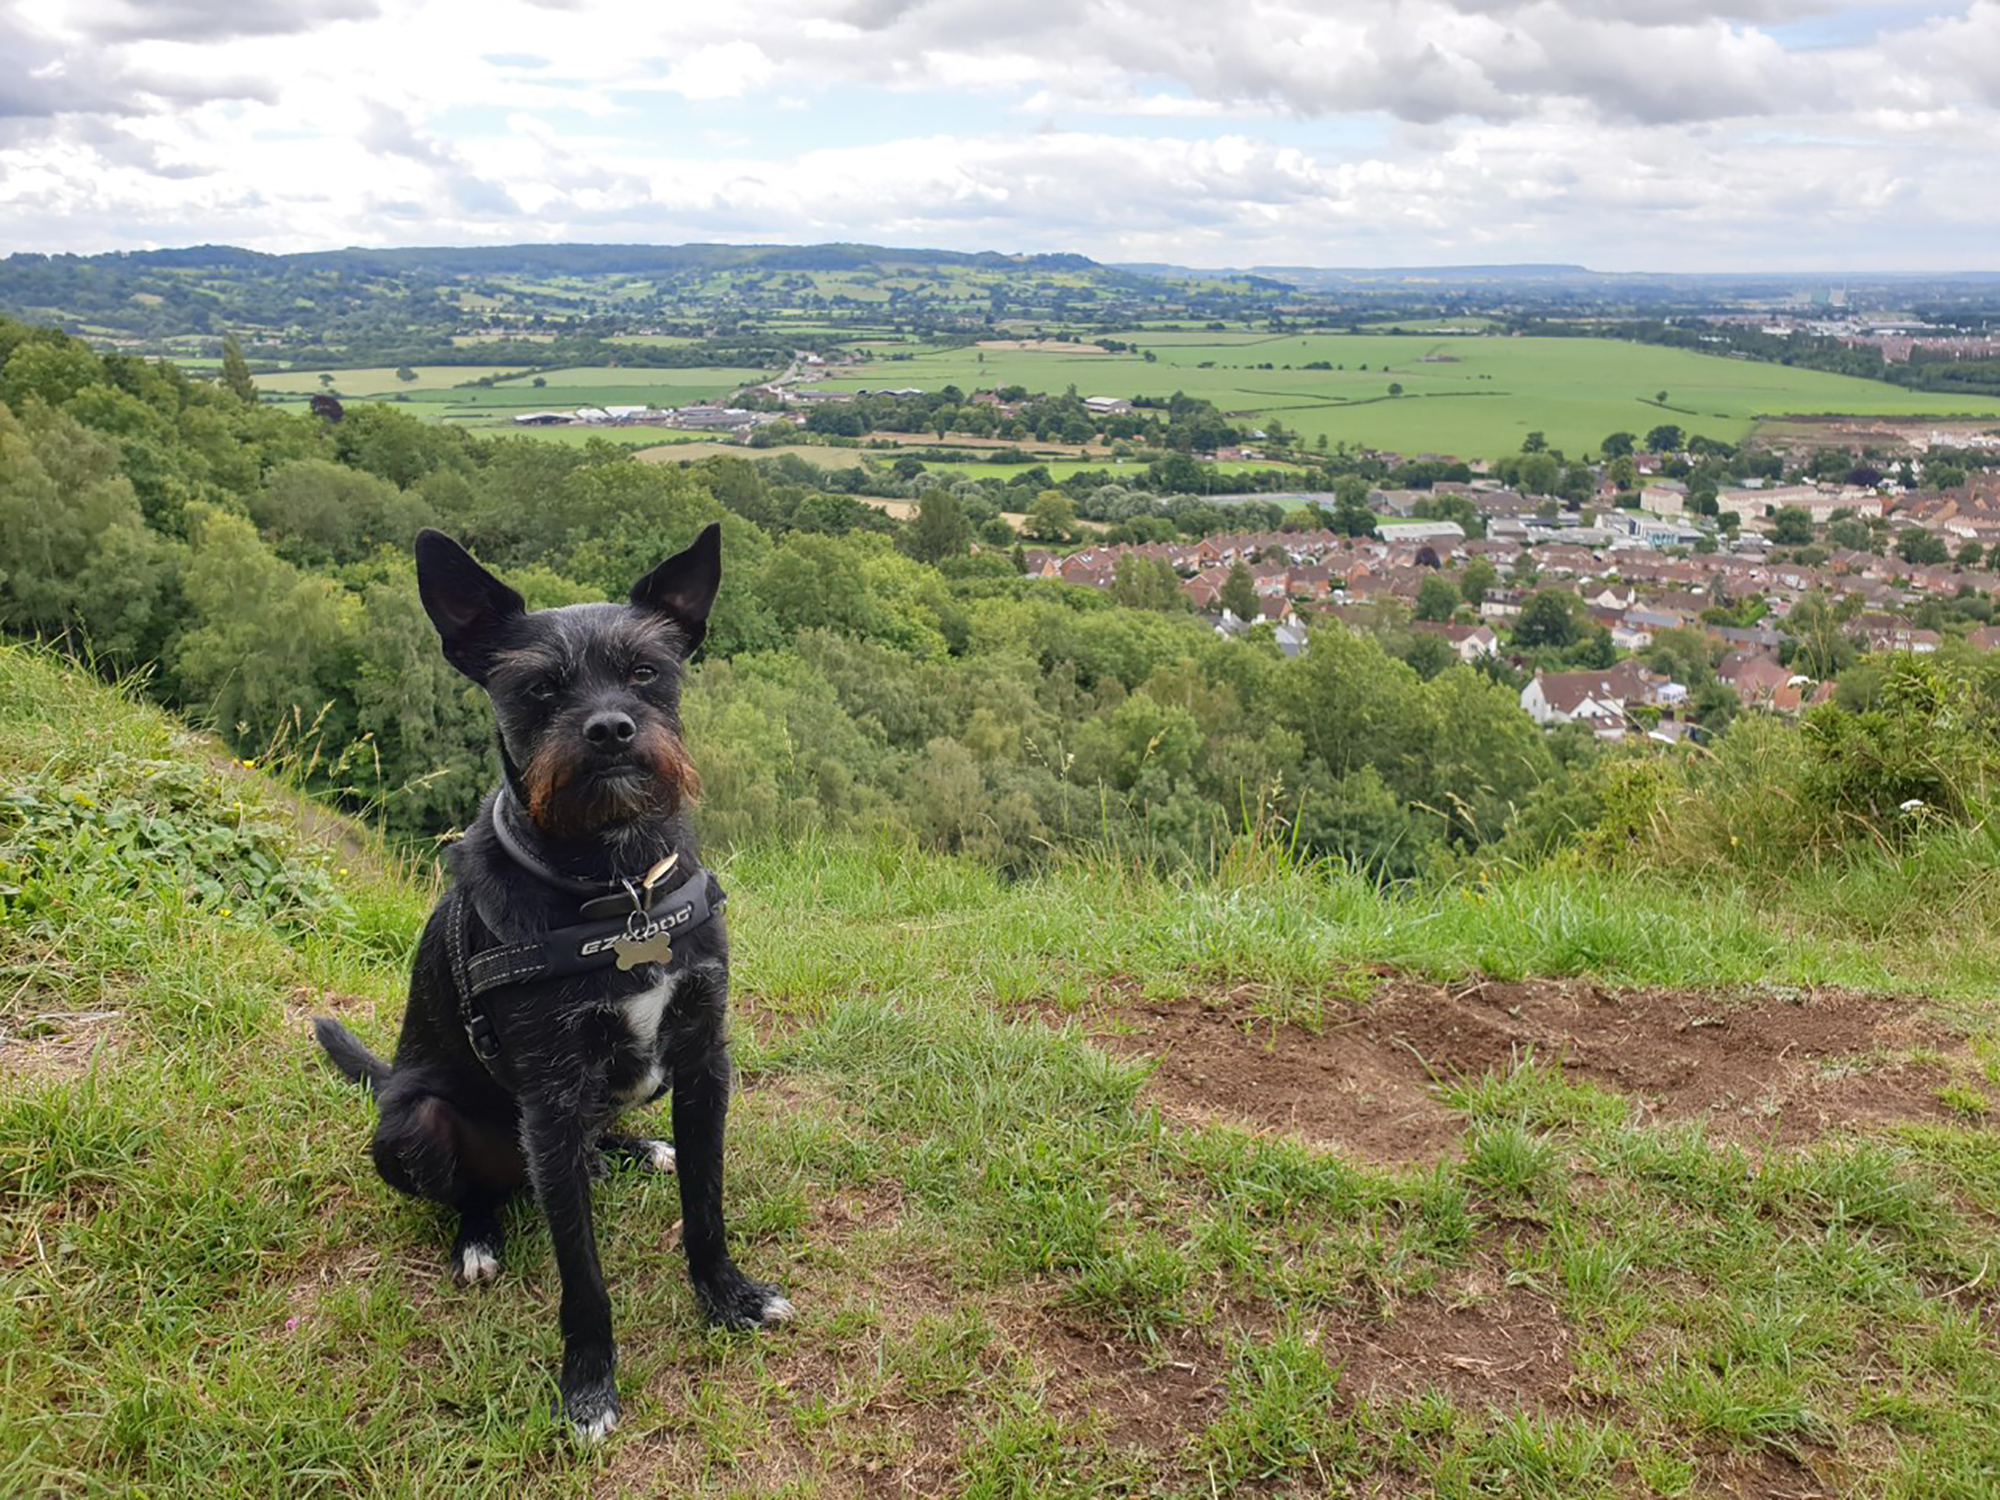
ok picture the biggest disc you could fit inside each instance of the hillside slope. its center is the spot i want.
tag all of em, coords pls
(1094, 1184)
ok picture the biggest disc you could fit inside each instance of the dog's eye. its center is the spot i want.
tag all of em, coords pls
(644, 673)
(544, 691)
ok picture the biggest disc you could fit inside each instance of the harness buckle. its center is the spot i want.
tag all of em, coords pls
(485, 1042)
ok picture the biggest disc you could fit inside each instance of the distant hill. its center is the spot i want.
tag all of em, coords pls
(567, 259)
(417, 303)
(1314, 276)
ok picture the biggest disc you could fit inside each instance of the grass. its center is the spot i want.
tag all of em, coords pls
(1018, 1274)
(1474, 396)
(446, 393)
(376, 381)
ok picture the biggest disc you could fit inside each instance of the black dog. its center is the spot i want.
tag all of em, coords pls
(577, 964)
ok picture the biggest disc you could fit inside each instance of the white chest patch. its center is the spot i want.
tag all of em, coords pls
(641, 1015)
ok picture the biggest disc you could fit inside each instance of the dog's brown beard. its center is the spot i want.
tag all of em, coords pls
(564, 804)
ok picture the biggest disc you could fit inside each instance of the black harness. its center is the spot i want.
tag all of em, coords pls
(627, 923)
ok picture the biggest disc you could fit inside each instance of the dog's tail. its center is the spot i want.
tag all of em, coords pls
(348, 1055)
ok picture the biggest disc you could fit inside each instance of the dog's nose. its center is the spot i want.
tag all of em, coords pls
(609, 728)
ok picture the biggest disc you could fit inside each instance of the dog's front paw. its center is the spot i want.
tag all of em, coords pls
(733, 1300)
(591, 1408)
(656, 1155)
(474, 1262)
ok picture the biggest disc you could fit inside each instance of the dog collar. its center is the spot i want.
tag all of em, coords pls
(604, 898)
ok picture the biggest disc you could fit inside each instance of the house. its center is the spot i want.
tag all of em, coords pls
(1202, 592)
(1571, 698)
(1598, 698)
(1761, 681)
(1469, 642)
(1434, 532)
(1397, 502)
(1664, 497)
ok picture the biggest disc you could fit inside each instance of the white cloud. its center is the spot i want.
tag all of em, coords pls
(1640, 133)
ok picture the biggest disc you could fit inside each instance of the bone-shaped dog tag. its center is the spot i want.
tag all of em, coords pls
(657, 949)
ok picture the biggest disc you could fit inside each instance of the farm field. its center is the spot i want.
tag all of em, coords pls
(376, 381)
(1060, 468)
(445, 393)
(1469, 395)
(688, 452)
(718, 377)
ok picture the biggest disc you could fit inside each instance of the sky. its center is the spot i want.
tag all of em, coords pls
(1660, 135)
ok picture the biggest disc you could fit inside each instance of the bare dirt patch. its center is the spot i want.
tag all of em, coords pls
(1789, 1064)
(1486, 1346)
(1153, 1399)
(60, 1045)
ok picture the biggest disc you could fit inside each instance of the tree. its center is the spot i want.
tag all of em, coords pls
(1146, 583)
(53, 371)
(268, 645)
(1540, 474)
(1551, 617)
(1436, 598)
(1922, 548)
(1479, 576)
(1618, 445)
(1535, 442)
(75, 552)
(1351, 515)
(939, 529)
(1791, 527)
(317, 513)
(236, 371)
(1968, 555)
(1052, 517)
(405, 373)
(1239, 593)
(1666, 438)
(1395, 388)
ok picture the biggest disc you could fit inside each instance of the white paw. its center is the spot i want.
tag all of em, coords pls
(659, 1156)
(779, 1310)
(477, 1264)
(599, 1427)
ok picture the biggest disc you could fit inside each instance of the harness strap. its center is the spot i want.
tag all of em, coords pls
(643, 934)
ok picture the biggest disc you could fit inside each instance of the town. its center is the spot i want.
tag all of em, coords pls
(1771, 608)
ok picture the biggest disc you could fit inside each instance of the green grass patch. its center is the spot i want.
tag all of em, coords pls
(1018, 1275)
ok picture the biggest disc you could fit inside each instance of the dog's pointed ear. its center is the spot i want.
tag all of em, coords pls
(470, 607)
(683, 587)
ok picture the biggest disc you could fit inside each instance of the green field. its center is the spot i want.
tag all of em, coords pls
(1059, 468)
(716, 377)
(447, 393)
(352, 384)
(1473, 396)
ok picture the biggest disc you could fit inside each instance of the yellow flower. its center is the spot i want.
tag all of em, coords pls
(226, 910)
